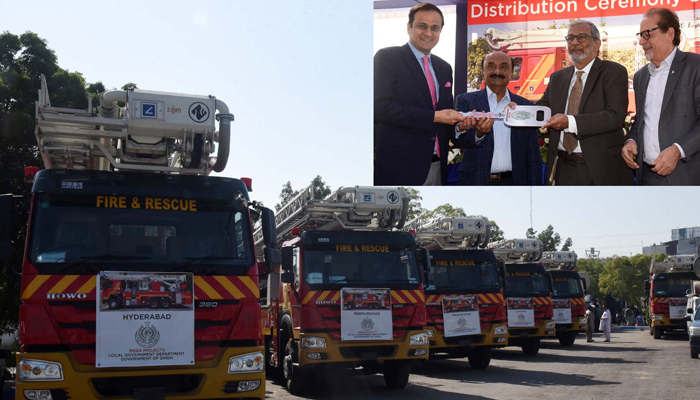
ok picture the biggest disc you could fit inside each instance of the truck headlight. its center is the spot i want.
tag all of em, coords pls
(549, 325)
(430, 333)
(37, 370)
(582, 321)
(252, 362)
(694, 331)
(420, 339)
(313, 343)
(501, 330)
(658, 317)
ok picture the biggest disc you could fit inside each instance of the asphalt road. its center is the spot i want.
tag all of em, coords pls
(632, 366)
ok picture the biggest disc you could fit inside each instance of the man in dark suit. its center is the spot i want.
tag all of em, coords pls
(589, 105)
(666, 130)
(494, 153)
(413, 115)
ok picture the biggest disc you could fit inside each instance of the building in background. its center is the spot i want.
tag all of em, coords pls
(685, 233)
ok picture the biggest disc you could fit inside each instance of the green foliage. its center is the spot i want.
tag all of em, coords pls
(592, 267)
(550, 239)
(624, 277)
(531, 233)
(476, 51)
(415, 208)
(320, 191)
(567, 244)
(624, 57)
(496, 232)
(444, 211)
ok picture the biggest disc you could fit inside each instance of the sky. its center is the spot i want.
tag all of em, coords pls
(297, 75)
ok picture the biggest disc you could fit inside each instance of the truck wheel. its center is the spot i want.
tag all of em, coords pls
(567, 338)
(295, 376)
(396, 374)
(153, 302)
(480, 358)
(532, 347)
(657, 332)
(114, 303)
(165, 302)
(693, 353)
(270, 370)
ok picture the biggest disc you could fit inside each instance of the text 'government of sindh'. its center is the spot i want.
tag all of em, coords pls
(550, 7)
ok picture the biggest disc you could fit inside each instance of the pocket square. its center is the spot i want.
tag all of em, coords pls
(448, 84)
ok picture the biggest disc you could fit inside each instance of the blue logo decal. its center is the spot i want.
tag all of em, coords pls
(149, 110)
(368, 197)
(460, 226)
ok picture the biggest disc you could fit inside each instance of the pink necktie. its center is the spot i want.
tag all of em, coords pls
(433, 93)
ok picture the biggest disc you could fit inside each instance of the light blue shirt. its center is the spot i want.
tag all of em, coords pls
(501, 161)
(420, 56)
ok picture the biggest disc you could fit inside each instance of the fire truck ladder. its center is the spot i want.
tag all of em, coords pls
(457, 233)
(349, 208)
(514, 250)
(160, 141)
(681, 263)
(565, 260)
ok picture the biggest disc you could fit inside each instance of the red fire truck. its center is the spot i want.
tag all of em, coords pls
(339, 252)
(126, 191)
(460, 266)
(568, 295)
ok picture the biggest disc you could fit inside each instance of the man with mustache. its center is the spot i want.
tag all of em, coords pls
(413, 114)
(666, 130)
(494, 153)
(589, 105)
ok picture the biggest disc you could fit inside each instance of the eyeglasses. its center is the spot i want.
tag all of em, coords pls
(579, 38)
(646, 34)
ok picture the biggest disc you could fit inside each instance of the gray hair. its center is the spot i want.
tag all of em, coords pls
(594, 29)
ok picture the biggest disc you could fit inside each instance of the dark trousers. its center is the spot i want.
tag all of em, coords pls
(501, 182)
(572, 173)
(650, 177)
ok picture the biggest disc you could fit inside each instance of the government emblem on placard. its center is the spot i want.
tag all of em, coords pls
(147, 335)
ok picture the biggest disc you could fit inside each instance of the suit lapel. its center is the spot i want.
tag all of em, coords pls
(563, 92)
(673, 76)
(590, 82)
(482, 100)
(417, 70)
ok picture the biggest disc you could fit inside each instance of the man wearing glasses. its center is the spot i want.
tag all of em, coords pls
(413, 114)
(665, 136)
(589, 105)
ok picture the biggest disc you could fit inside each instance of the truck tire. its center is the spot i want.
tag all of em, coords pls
(567, 339)
(532, 347)
(165, 302)
(693, 353)
(396, 373)
(658, 332)
(296, 377)
(270, 370)
(153, 302)
(114, 302)
(480, 357)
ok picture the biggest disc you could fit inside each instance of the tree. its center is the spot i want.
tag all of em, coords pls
(319, 190)
(496, 232)
(476, 51)
(531, 233)
(550, 239)
(567, 244)
(415, 209)
(444, 211)
(592, 267)
(623, 278)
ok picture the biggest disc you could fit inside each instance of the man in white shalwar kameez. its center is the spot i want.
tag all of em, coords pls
(605, 323)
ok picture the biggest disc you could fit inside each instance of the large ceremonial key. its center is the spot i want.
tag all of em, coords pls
(528, 116)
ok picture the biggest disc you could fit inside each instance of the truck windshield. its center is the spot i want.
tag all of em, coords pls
(139, 233)
(667, 285)
(566, 285)
(383, 266)
(524, 281)
(463, 272)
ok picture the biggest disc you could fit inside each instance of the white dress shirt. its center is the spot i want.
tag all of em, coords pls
(572, 121)
(652, 108)
(501, 161)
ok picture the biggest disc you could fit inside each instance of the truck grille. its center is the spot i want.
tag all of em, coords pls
(465, 340)
(522, 331)
(125, 385)
(358, 351)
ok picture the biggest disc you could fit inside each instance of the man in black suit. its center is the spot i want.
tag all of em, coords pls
(589, 105)
(413, 115)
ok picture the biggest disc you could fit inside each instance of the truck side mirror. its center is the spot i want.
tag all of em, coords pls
(647, 286)
(287, 277)
(287, 259)
(424, 265)
(269, 230)
(273, 259)
(6, 211)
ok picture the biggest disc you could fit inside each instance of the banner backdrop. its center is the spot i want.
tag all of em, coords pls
(532, 33)
(144, 319)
